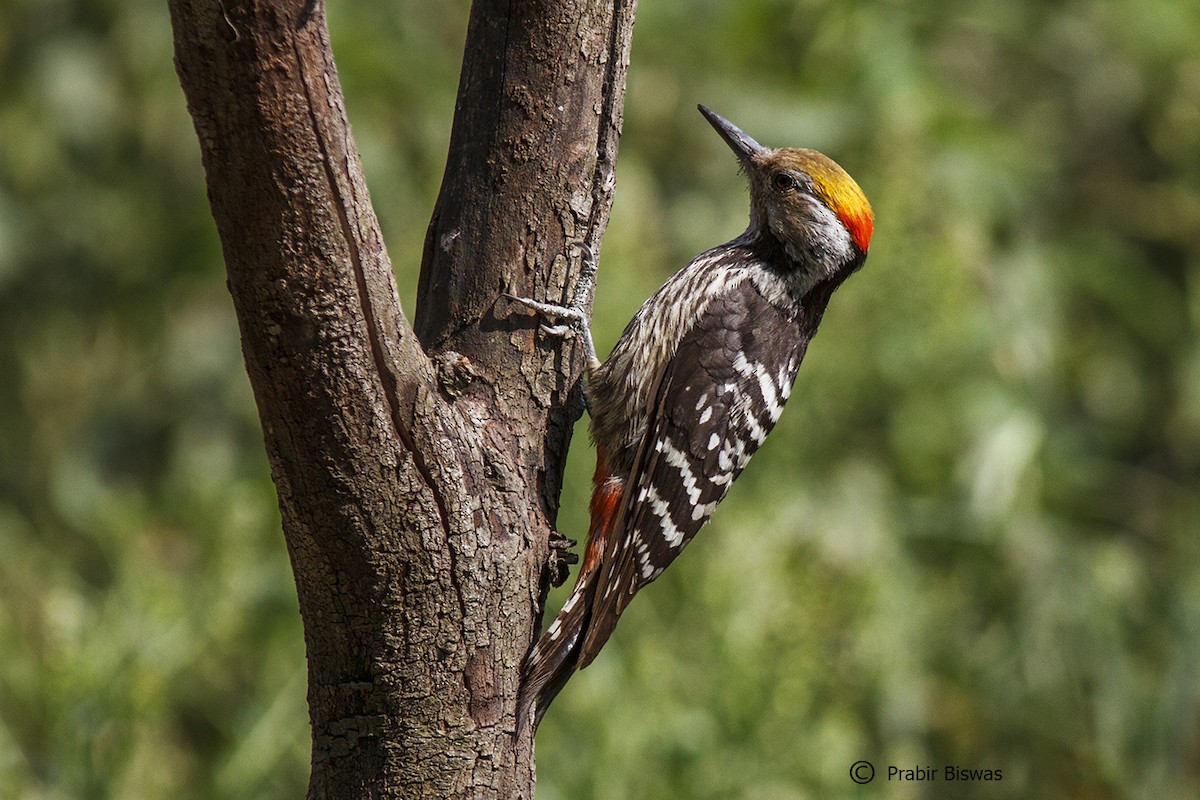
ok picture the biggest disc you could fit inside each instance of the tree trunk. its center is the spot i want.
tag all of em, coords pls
(418, 473)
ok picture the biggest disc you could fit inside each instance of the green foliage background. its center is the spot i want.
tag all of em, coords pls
(971, 541)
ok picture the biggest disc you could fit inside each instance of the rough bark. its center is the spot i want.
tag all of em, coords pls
(417, 476)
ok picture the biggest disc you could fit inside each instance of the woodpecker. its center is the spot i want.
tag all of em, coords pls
(694, 384)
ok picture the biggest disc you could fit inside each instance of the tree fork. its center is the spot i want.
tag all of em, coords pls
(417, 472)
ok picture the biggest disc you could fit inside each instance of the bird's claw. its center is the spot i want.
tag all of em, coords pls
(576, 318)
(560, 558)
(575, 315)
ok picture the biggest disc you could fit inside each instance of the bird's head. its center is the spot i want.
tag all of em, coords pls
(803, 200)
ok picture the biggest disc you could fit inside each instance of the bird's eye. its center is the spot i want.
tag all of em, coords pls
(783, 182)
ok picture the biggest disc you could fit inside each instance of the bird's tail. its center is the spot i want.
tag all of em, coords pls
(554, 659)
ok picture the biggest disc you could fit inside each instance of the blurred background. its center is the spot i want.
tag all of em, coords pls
(971, 541)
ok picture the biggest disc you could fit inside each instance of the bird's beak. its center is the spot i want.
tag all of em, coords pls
(742, 145)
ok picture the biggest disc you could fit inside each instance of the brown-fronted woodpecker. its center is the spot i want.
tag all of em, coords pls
(694, 384)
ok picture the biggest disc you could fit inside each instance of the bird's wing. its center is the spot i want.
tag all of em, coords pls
(713, 406)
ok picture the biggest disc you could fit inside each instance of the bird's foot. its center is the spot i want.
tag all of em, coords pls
(560, 558)
(574, 316)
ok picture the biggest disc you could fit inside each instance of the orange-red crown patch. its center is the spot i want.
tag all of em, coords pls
(839, 191)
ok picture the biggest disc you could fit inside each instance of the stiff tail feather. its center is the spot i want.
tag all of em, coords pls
(554, 659)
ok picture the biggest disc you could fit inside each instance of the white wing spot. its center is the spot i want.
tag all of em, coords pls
(766, 386)
(676, 458)
(706, 416)
(743, 457)
(713, 441)
(786, 378)
(643, 558)
(734, 452)
(770, 395)
(755, 430)
(662, 510)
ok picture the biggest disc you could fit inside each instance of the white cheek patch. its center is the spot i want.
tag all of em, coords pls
(823, 243)
(830, 230)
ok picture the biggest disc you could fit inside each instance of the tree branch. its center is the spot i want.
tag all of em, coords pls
(417, 495)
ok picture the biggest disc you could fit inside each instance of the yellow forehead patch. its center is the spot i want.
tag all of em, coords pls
(836, 188)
